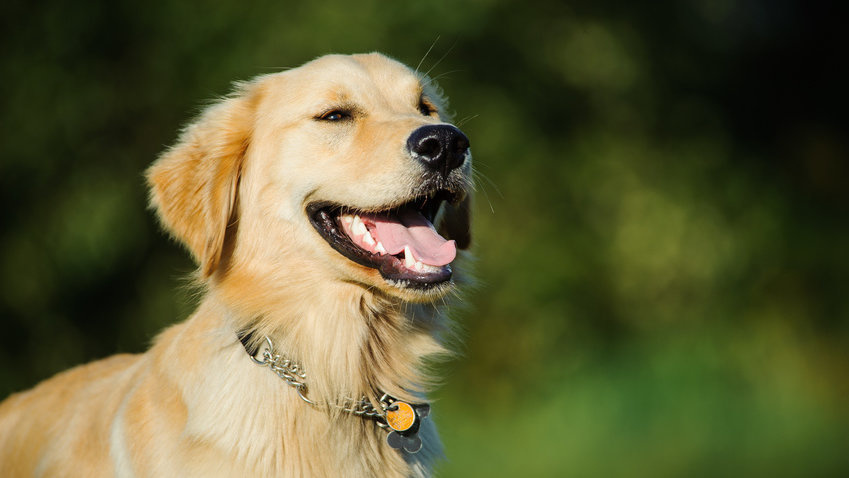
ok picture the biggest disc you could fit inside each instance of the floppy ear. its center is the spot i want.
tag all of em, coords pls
(193, 184)
(456, 222)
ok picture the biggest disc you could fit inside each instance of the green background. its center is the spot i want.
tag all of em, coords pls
(661, 220)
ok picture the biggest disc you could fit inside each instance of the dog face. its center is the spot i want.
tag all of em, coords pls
(337, 170)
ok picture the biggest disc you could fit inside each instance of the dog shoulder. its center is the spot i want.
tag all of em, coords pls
(40, 428)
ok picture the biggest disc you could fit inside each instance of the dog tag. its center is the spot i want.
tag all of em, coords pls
(422, 410)
(410, 444)
(402, 418)
(395, 440)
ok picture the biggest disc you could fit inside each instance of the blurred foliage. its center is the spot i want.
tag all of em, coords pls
(661, 218)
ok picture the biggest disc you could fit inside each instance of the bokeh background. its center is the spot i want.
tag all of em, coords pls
(661, 225)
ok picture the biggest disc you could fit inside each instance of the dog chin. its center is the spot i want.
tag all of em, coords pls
(412, 292)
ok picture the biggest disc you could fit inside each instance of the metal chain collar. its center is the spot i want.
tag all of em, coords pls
(295, 376)
(400, 418)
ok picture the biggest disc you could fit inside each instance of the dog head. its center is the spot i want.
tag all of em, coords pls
(345, 169)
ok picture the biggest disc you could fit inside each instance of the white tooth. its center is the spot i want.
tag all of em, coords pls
(347, 219)
(358, 227)
(379, 248)
(368, 239)
(409, 261)
(419, 265)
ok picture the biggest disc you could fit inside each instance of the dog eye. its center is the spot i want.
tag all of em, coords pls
(335, 115)
(426, 108)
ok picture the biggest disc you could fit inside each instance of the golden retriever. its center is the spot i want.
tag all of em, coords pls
(308, 198)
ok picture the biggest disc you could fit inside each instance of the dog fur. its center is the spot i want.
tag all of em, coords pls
(233, 190)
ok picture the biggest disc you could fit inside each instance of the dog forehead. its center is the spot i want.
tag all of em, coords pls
(369, 77)
(375, 68)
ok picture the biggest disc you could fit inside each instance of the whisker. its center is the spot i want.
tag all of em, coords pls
(442, 75)
(440, 59)
(466, 119)
(491, 182)
(477, 175)
(427, 53)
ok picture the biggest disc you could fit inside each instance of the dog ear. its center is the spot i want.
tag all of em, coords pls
(456, 222)
(193, 184)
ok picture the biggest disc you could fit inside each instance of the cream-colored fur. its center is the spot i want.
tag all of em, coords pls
(234, 190)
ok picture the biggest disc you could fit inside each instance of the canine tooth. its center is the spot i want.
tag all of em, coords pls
(358, 227)
(379, 248)
(419, 266)
(409, 260)
(347, 219)
(368, 239)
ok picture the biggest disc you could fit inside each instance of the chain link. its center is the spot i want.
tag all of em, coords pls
(295, 376)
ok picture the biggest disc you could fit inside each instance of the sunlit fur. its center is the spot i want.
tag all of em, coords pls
(234, 190)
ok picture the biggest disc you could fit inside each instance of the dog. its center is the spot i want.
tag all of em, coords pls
(327, 207)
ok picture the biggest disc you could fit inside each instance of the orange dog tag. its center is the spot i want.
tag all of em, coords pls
(402, 418)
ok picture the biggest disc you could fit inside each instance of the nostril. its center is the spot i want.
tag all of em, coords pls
(461, 144)
(429, 148)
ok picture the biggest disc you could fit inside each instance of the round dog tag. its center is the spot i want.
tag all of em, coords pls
(412, 444)
(402, 418)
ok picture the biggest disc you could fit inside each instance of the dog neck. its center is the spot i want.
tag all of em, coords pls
(352, 341)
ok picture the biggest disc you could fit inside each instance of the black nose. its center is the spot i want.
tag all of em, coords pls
(441, 147)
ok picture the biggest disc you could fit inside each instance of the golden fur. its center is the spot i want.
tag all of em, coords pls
(233, 190)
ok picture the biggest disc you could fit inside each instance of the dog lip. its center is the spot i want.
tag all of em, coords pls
(450, 194)
(324, 217)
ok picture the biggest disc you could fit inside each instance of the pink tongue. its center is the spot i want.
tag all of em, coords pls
(410, 228)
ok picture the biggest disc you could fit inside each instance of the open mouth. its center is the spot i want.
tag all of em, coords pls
(399, 241)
